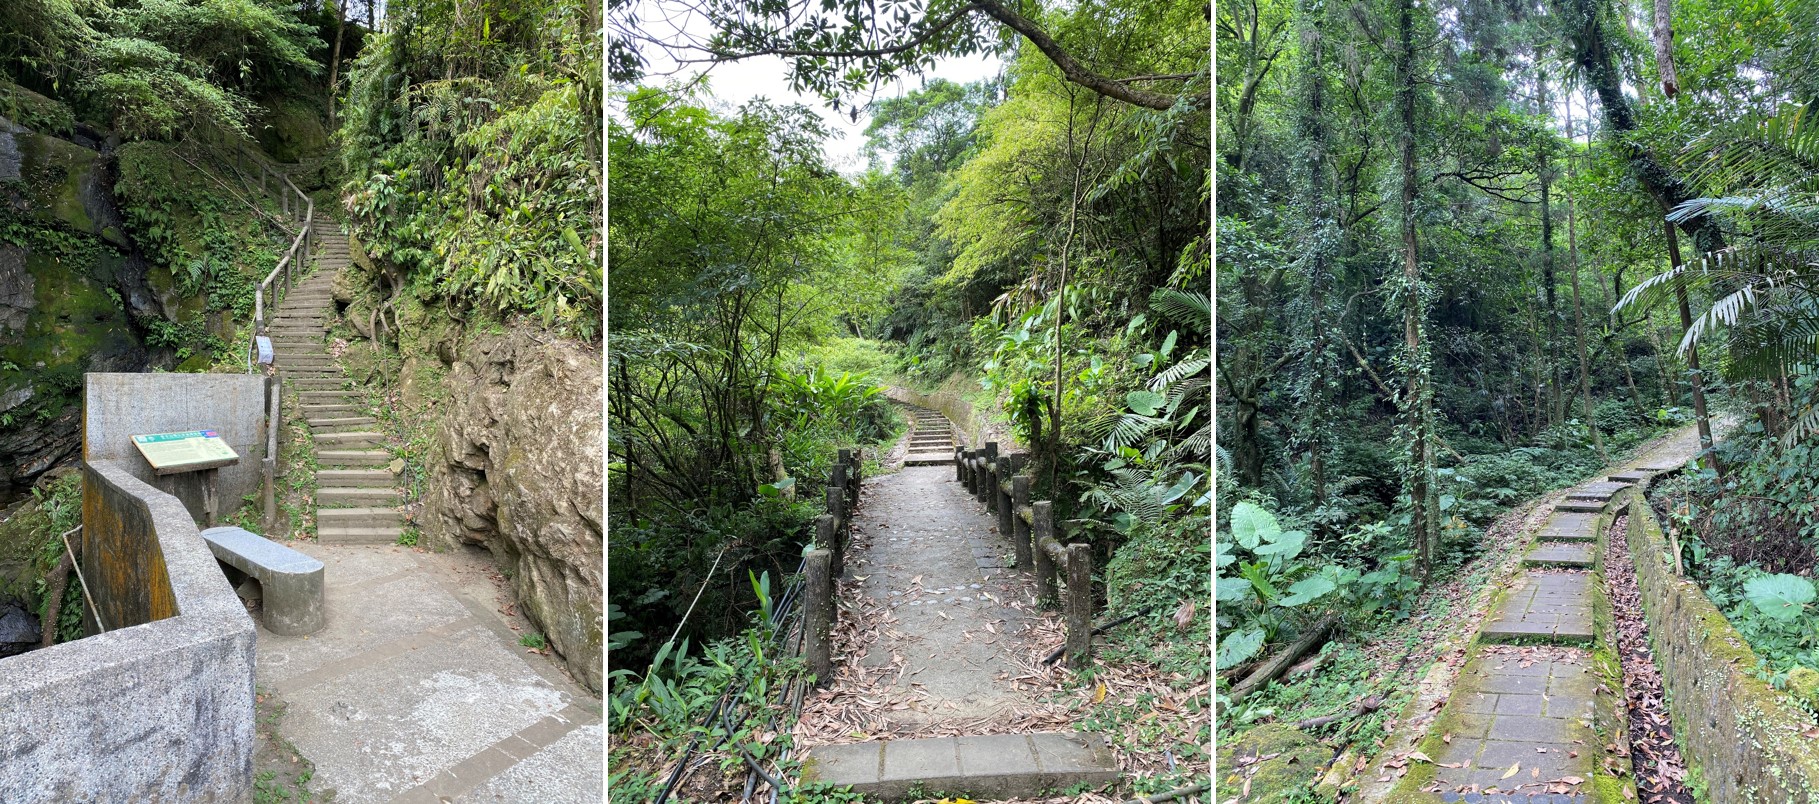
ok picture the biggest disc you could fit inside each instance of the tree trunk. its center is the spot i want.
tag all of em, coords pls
(1418, 396)
(1318, 362)
(1664, 47)
(1556, 412)
(1592, 53)
(1572, 258)
(334, 57)
(1692, 354)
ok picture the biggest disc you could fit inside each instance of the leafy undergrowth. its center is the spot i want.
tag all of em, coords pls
(1750, 539)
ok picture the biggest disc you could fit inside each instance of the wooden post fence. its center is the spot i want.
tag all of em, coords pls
(818, 614)
(1064, 572)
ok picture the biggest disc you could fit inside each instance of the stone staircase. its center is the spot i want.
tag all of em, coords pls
(931, 439)
(356, 498)
(1532, 706)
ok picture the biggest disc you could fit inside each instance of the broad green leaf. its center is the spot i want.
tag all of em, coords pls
(1251, 525)
(1287, 545)
(1307, 590)
(1236, 648)
(1231, 590)
(1780, 597)
(1144, 403)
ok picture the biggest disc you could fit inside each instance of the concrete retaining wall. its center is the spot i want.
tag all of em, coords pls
(1741, 734)
(158, 708)
(117, 407)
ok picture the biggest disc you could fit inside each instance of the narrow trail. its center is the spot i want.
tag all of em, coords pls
(940, 686)
(417, 691)
(356, 499)
(1535, 716)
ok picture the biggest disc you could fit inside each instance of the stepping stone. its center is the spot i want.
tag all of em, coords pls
(1568, 528)
(1501, 713)
(370, 457)
(357, 495)
(359, 517)
(355, 478)
(1560, 554)
(995, 766)
(349, 535)
(1596, 491)
(1551, 607)
(346, 440)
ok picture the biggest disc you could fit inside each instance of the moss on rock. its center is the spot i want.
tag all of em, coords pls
(1281, 764)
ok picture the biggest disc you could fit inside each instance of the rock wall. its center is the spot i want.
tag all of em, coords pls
(517, 468)
(1743, 735)
(67, 274)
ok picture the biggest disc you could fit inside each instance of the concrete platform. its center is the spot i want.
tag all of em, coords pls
(996, 766)
(418, 691)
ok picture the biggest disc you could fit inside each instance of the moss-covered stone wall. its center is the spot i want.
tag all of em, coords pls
(1743, 736)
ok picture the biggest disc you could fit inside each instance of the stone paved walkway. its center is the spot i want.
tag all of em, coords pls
(1529, 722)
(937, 564)
(957, 614)
(418, 691)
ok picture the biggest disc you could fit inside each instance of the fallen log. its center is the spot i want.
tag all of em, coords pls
(1314, 637)
(1368, 705)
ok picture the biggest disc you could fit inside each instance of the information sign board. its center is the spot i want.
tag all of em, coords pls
(170, 453)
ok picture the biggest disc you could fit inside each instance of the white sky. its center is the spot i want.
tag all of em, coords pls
(734, 83)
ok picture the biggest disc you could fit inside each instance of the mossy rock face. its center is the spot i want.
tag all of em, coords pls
(1281, 763)
(34, 111)
(293, 130)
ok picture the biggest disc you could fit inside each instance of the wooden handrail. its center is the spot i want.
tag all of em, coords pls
(1063, 571)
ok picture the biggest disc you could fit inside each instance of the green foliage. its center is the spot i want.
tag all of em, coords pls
(533, 640)
(474, 161)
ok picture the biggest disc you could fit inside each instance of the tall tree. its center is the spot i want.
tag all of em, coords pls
(1417, 394)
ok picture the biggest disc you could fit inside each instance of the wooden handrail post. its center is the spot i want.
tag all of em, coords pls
(988, 493)
(959, 463)
(1043, 513)
(836, 513)
(818, 614)
(1001, 495)
(1020, 530)
(1079, 606)
(853, 461)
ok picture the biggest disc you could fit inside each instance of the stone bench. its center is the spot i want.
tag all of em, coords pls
(290, 582)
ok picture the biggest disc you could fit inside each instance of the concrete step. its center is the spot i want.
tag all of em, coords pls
(999, 766)
(353, 457)
(1550, 607)
(318, 384)
(351, 535)
(365, 438)
(358, 517)
(330, 397)
(356, 495)
(356, 478)
(353, 424)
(332, 411)
(1577, 555)
(929, 459)
(1580, 506)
